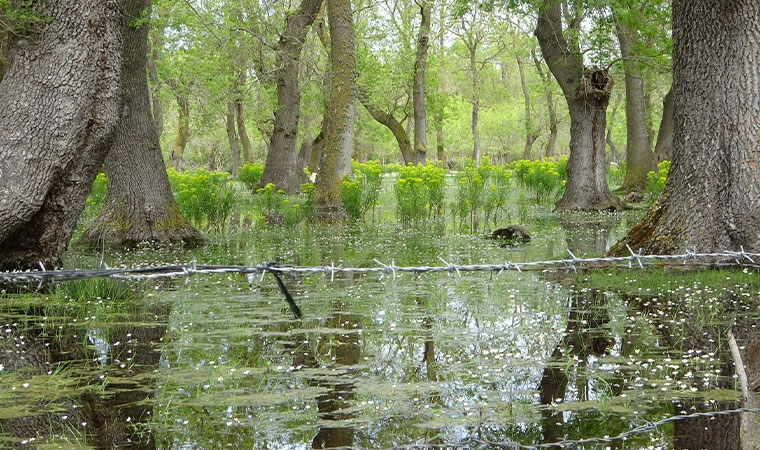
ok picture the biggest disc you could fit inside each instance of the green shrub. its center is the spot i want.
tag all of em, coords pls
(543, 177)
(351, 193)
(205, 198)
(361, 191)
(250, 175)
(616, 173)
(419, 192)
(481, 193)
(307, 208)
(656, 180)
(289, 210)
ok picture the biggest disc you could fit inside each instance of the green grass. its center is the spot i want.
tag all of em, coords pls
(663, 279)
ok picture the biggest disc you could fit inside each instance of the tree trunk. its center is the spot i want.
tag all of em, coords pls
(418, 90)
(396, 127)
(157, 111)
(245, 141)
(139, 205)
(638, 152)
(316, 152)
(663, 150)
(4, 38)
(339, 132)
(551, 143)
(55, 124)
(475, 107)
(710, 201)
(183, 131)
(531, 133)
(232, 138)
(281, 167)
(587, 92)
(613, 150)
(439, 144)
(304, 154)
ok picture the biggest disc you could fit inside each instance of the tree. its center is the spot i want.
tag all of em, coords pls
(281, 166)
(587, 92)
(139, 205)
(638, 153)
(710, 201)
(339, 132)
(551, 143)
(418, 89)
(664, 148)
(531, 131)
(54, 125)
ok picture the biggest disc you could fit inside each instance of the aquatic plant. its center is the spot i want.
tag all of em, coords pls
(205, 198)
(250, 174)
(656, 180)
(360, 192)
(419, 193)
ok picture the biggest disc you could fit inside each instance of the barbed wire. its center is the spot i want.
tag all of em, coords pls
(690, 258)
(646, 427)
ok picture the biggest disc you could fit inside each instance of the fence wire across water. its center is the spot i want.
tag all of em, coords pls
(688, 259)
(635, 260)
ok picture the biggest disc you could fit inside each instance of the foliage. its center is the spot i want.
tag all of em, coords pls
(484, 188)
(616, 174)
(250, 174)
(361, 191)
(656, 180)
(419, 192)
(543, 177)
(20, 18)
(99, 289)
(204, 198)
(289, 210)
(97, 196)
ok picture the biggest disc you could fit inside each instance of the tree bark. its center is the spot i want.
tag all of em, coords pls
(663, 150)
(418, 89)
(531, 132)
(608, 139)
(638, 152)
(242, 130)
(710, 201)
(157, 111)
(439, 142)
(551, 143)
(336, 156)
(183, 131)
(587, 92)
(4, 38)
(396, 127)
(475, 106)
(304, 154)
(139, 205)
(60, 101)
(281, 167)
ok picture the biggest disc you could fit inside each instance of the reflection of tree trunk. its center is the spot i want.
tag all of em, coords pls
(587, 236)
(346, 349)
(584, 335)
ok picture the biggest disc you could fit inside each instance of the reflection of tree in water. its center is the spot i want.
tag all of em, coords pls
(112, 417)
(588, 234)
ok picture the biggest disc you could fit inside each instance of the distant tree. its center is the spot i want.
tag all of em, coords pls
(418, 89)
(339, 132)
(55, 125)
(711, 199)
(587, 92)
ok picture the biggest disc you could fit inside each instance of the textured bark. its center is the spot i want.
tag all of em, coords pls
(663, 150)
(316, 152)
(242, 130)
(281, 167)
(157, 42)
(304, 154)
(608, 139)
(60, 101)
(710, 201)
(139, 205)
(339, 132)
(232, 138)
(418, 89)
(587, 92)
(531, 132)
(638, 152)
(551, 143)
(396, 127)
(439, 142)
(183, 131)
(475, 105)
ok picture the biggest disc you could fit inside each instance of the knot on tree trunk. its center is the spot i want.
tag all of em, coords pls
(595, 83)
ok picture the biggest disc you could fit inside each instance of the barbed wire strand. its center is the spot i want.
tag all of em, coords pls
(689, 259)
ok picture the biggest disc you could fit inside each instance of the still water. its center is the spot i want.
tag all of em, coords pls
(219, 361)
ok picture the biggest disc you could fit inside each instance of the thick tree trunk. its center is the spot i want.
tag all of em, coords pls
(638, 152)
(396, 127)
(551, 143)
(587, 92)
(55, 124)
(710, 201)
(139, 205)
(183, 132)
(304, 154)
(316, 152)
(418, 90)
(608, 139)
(339, 133)
(663, 150)
(281, 167)
(531, 132)
(232, 138)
